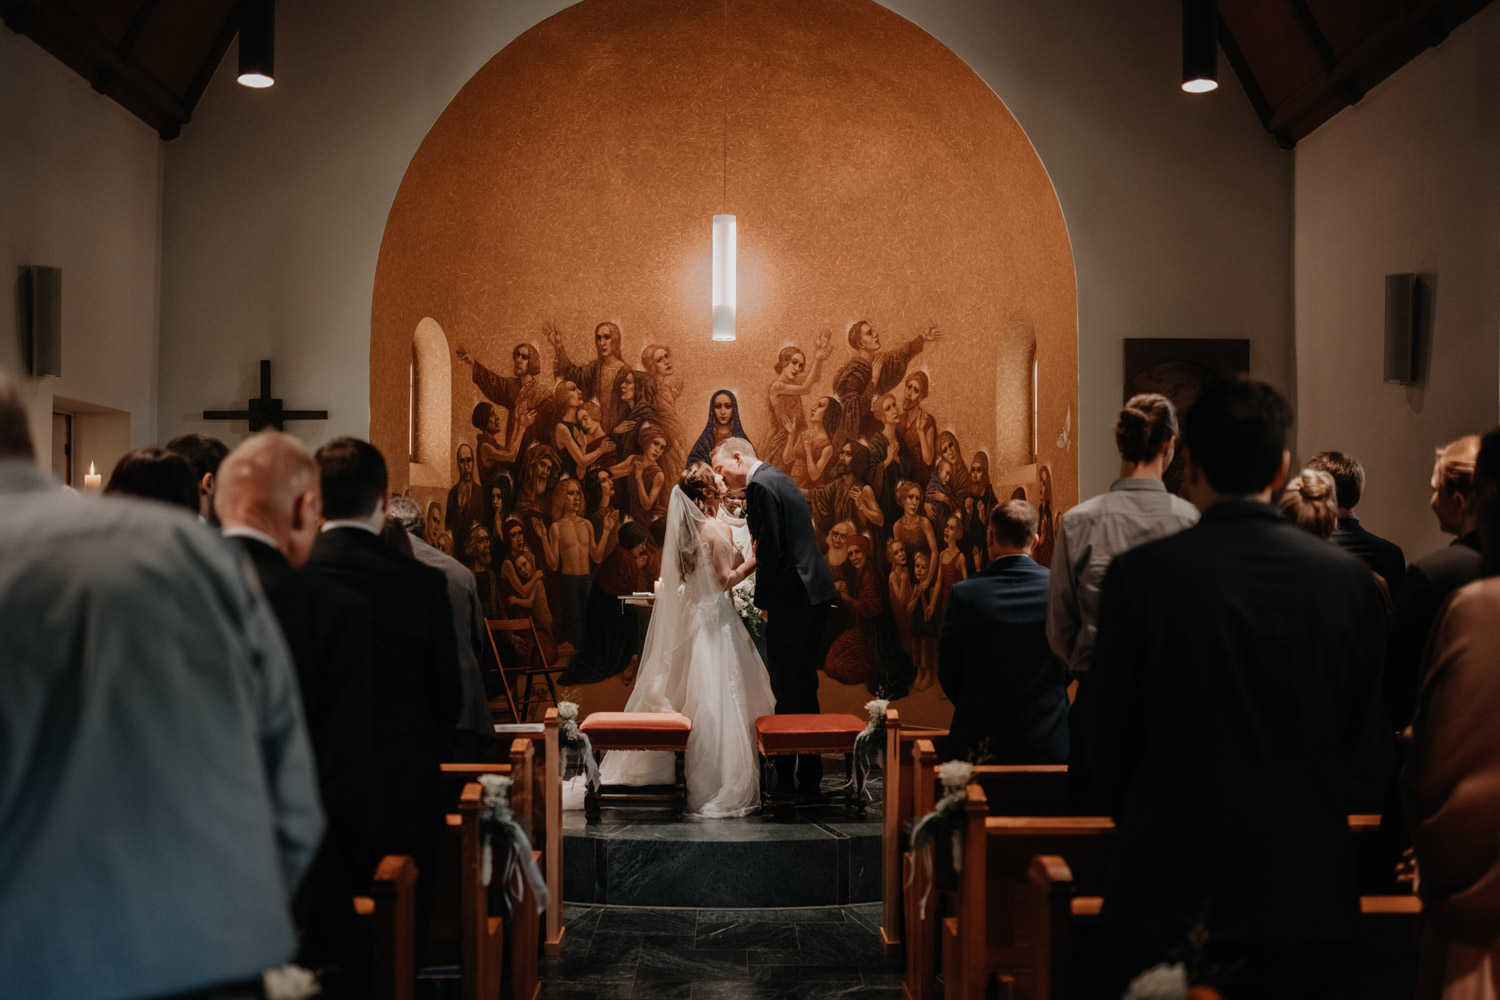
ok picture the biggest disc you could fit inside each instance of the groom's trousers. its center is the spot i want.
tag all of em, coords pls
(793, 636)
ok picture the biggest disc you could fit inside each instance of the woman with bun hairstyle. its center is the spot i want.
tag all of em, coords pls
(1137, 509)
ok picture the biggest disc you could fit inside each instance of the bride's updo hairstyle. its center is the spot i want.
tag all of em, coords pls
(699, 483)
(1144, 426)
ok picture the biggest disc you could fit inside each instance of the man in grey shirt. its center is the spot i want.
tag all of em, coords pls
(1137, 509)
(158, 803)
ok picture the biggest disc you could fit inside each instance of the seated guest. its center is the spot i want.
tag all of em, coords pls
(155, 474)
(1136, 510)
(611, 629)
(1430, 580)
(414, 678)
(268, 503)
(1452, 770)
(1009, 692)
(159, 801)
(1385, 558)
(1228, 680)
(1309, 502)
(476, 730)
(204, 454)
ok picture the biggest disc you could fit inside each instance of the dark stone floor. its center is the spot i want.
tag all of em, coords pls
(812, 953)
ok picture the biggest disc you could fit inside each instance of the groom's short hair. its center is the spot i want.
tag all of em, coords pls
(733, 446)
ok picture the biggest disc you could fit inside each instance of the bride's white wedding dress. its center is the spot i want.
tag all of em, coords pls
(699, 660)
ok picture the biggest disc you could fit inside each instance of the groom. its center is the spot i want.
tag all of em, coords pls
(793, 587)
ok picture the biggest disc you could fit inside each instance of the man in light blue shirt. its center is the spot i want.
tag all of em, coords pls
(158, 803)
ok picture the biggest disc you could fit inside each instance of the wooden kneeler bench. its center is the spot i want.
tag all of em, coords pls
(789, 735)
(661, 731)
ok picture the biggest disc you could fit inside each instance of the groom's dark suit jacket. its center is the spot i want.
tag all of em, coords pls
(790, 570)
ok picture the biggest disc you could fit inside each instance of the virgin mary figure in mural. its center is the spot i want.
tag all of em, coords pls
(872, 372)
(723, 424)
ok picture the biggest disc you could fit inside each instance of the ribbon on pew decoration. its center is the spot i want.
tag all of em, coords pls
(868, 746)
(947, 816)
(575, 742)
(506, 843)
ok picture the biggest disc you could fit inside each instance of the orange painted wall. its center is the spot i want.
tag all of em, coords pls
(873, 174)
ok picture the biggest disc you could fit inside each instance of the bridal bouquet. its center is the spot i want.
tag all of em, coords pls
(744, 606)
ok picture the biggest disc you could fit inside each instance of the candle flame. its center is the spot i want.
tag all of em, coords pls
(91, 468)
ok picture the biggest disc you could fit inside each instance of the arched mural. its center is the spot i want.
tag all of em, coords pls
(907, 329)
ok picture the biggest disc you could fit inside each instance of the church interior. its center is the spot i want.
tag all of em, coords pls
(617, 300)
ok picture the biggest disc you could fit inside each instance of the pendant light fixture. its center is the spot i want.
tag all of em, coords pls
(726, 238)
(257, 43)
(1200, 46)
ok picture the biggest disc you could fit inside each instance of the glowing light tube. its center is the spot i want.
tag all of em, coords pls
(725, 247)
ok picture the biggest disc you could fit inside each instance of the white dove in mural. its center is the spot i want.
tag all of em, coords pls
(1063, 438)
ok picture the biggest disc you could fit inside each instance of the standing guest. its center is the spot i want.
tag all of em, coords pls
(414, 677)
(1009, 692)
(1385, 558)
(475, 728)
(268, 502)
(1137, 509)
(1430, 580)
(1452, 770)
(611, 629)
(1225, 693)
(160, 802)
(155, 474)
(466, 501)
(204, 454)
(1309, 501)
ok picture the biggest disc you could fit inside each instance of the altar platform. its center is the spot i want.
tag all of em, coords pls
(640, 857)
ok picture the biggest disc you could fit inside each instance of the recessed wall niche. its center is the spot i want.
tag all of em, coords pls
(876, 179)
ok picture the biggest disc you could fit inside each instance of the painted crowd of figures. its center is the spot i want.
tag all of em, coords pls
(561, 498)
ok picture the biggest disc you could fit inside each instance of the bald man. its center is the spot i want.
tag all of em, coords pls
(268, 500)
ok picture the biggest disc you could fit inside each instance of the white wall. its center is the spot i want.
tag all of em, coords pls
(1404, 181)
(80, 189)
(1178, 207)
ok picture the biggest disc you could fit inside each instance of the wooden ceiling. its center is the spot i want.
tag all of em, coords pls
(154, 57)
(1303, 61)
(1300, 61)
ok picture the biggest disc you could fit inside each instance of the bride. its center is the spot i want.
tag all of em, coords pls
(699, 660)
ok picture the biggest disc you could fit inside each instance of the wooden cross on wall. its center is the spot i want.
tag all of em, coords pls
(265, 412)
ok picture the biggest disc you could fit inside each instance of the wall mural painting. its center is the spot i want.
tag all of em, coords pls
(907, 319)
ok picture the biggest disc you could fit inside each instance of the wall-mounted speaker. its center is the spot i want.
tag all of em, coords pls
(1403, 304)
(41, 318)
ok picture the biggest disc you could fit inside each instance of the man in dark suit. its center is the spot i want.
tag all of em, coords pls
(267, 500)
(1228, 683)
(792, 585)
(1009, 692)
(1385, 558)
(414, 674)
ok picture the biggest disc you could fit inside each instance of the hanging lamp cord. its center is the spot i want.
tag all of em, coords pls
(724, 99)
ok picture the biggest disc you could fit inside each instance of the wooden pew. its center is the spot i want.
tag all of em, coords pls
(896, 814)
(524, 925)
(546, 821)
(1071, 944)
(989, 931)
(463, 933)
(387, 928)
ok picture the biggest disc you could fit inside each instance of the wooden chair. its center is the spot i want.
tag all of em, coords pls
(531, 662)
(387, 932)
(896, 814)
(1071, 947)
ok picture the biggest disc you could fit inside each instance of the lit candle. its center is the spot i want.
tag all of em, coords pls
(93, 483)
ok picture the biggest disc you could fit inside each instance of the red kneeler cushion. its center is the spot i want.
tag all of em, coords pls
(637, 730)
(781, 734)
